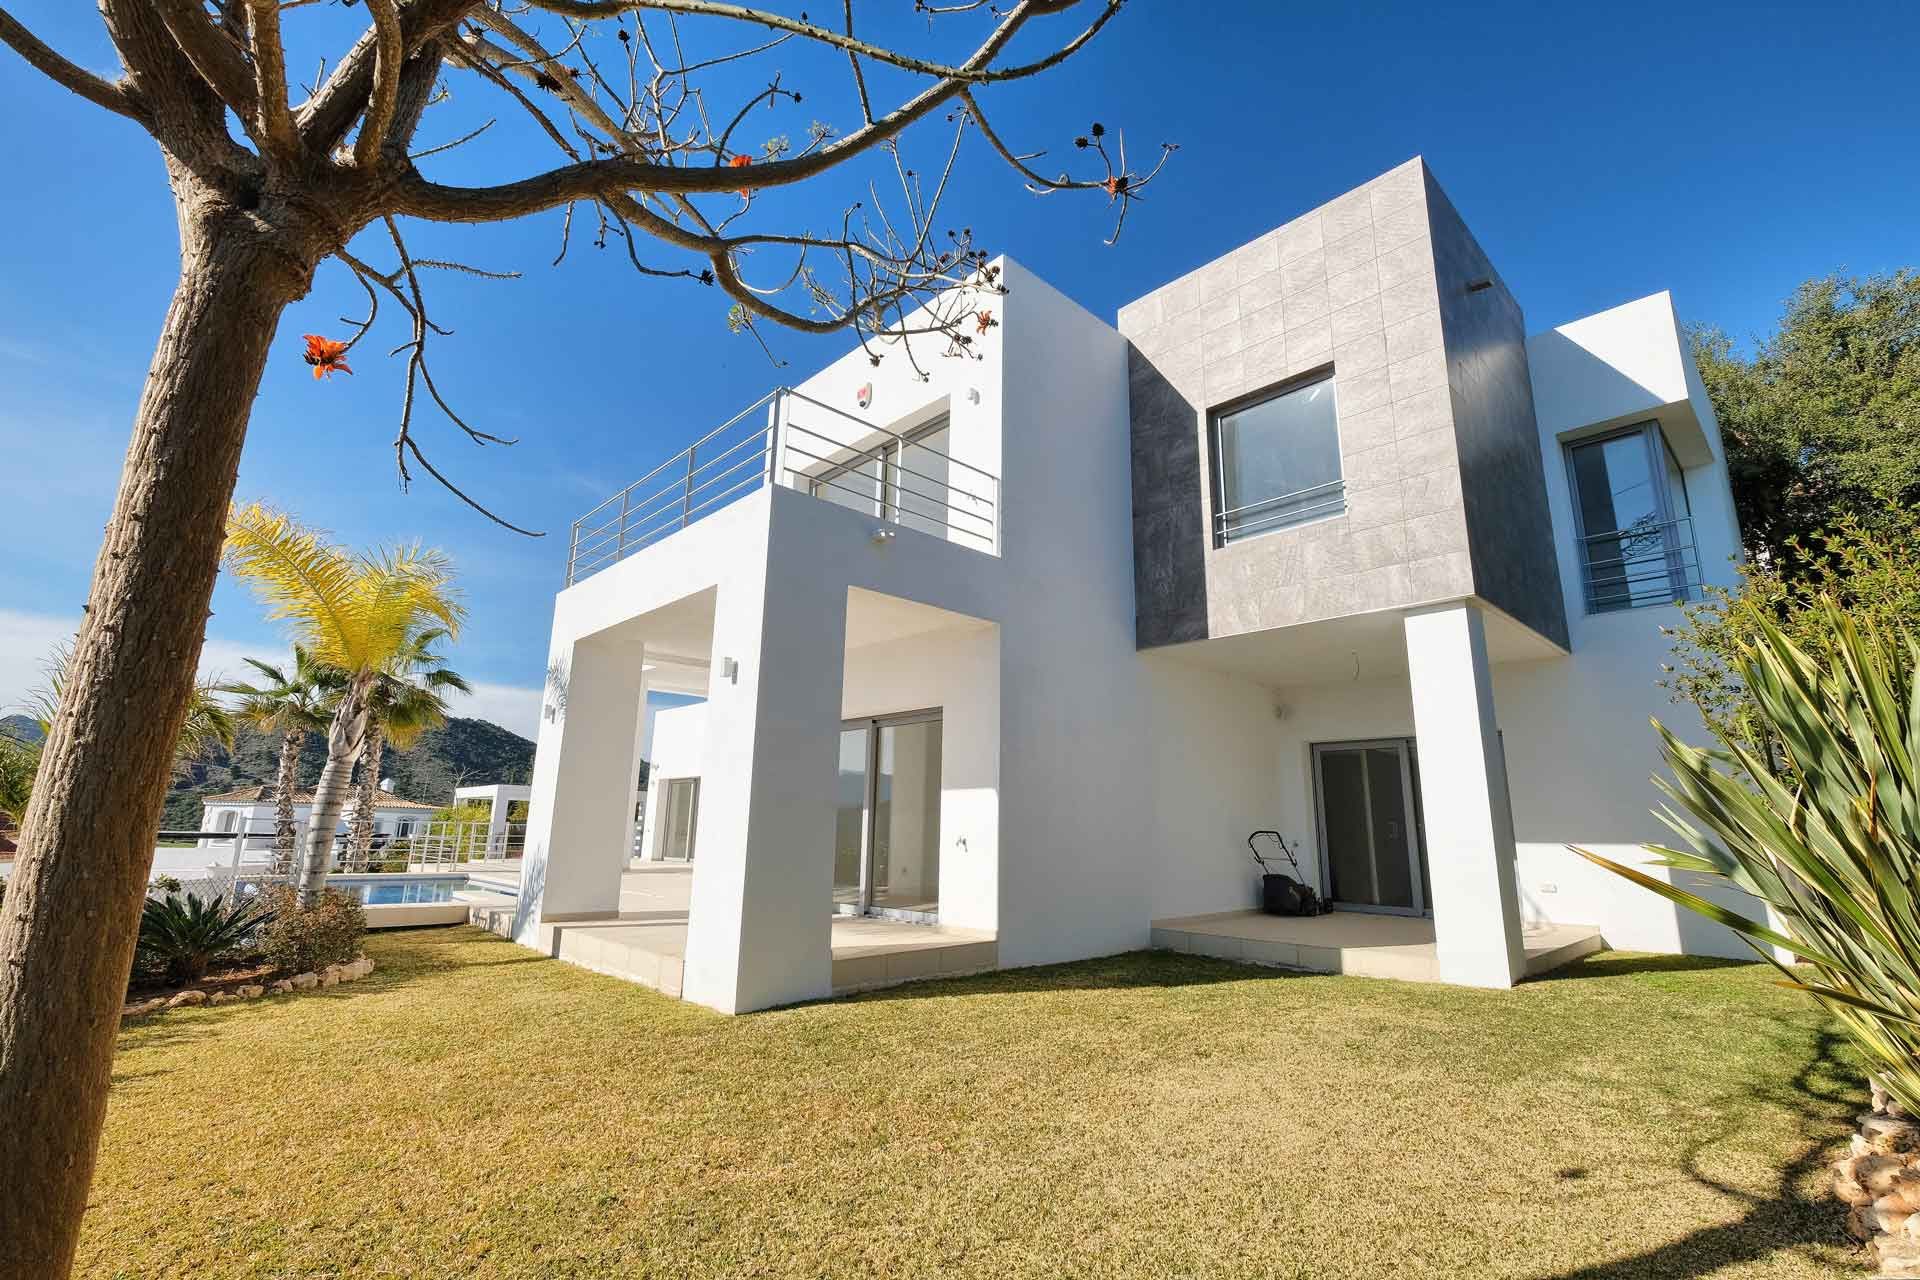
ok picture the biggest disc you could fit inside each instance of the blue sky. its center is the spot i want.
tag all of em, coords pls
(1724, 152)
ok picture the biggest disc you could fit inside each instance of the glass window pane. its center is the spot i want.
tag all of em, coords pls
(1630, 545)
(919, 477)
(856, 486)
(1279, 462)
(850, 818)
(906, 818)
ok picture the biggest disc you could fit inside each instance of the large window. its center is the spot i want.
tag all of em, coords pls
(1277, 462)
(903, 479)
(1635, 524)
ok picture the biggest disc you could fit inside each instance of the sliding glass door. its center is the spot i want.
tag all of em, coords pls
(886, 857)
(1370, 837)
(682, 813)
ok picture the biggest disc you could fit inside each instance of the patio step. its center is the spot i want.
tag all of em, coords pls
(1351, 942)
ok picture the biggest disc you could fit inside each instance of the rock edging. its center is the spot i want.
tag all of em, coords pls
(331, 976)
(1879, 1179)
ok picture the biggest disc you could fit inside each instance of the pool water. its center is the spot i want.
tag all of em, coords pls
(393, 895)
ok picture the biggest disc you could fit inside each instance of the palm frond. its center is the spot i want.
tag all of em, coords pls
(356, 614)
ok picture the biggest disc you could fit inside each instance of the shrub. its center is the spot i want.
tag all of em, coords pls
(181, 940)
(164, 884)
(1872, 570)
(1826, 832)
(303, 939)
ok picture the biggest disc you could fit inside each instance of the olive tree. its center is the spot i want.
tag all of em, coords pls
(269, 188)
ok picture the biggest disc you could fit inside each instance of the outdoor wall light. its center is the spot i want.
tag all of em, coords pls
(882, 535)
(730, 670)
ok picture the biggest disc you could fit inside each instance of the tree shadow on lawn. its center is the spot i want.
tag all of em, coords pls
(1127, 970)
(1615, 964)
(1780, 1219)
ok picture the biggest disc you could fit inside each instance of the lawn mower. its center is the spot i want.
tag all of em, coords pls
(1280, 894)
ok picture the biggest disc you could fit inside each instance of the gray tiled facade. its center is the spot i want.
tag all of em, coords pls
(1434, 410)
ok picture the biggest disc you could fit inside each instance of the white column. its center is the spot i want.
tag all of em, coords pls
(759, 927)
(633, 773)
(496, 825)
(1463, 788)
(582, 776)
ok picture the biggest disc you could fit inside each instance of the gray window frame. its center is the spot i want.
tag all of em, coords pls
(1334, 504)
(1678, 547)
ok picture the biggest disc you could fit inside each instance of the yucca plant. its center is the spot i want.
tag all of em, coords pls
(183, 939)
(1830, 842)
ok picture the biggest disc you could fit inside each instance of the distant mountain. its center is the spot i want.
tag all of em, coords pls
(458, 753)
(25, 728)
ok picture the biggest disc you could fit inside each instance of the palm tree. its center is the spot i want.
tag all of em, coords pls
(18, 763)
(356, 613)
(292, 702)
(408, 699)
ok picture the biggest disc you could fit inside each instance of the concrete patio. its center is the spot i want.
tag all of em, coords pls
(647, 942)
(1360, 943)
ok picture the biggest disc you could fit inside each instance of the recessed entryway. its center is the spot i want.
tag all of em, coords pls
(886, 852)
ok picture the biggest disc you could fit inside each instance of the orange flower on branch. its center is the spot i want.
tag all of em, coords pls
(983, 320)
(1115, 185)
(326, 356)
(741, 162)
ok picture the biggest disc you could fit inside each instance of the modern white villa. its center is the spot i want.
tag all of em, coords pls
(251, 809)
(1001, 667)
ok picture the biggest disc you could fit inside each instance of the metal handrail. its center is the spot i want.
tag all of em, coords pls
(1284, 497)
(1671, 556)
(689, 485)
(1234, 523)
(878, 454)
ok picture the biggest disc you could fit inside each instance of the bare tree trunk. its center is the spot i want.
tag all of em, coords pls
(345, 737)
(73, 903)
(284, 784)
(363, 812)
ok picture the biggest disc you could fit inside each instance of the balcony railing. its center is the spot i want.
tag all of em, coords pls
(1650, 562)
(790, 439)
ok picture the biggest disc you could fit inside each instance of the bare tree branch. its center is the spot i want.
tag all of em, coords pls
(115, 97)
(217, 61)
(581, 9)
(389, 51)
(270, 80)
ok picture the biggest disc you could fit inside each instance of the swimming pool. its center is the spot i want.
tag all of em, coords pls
(395, 895)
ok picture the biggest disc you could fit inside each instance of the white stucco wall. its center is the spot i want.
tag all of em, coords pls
(1214, 779)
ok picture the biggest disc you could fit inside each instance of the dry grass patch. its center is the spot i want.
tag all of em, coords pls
(477, 1110)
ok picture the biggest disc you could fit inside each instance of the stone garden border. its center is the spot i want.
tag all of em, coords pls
(1879, 1179)
(331, 976)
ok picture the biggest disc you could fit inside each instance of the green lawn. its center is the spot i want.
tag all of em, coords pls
(474, 1109)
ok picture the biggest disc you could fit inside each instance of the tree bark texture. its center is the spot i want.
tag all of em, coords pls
(285, 781)
(72, 906)
(367, 796)
(345, 737)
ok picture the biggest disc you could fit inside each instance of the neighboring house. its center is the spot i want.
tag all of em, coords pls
(1317, 538)
(251, 809)
(503, 830)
